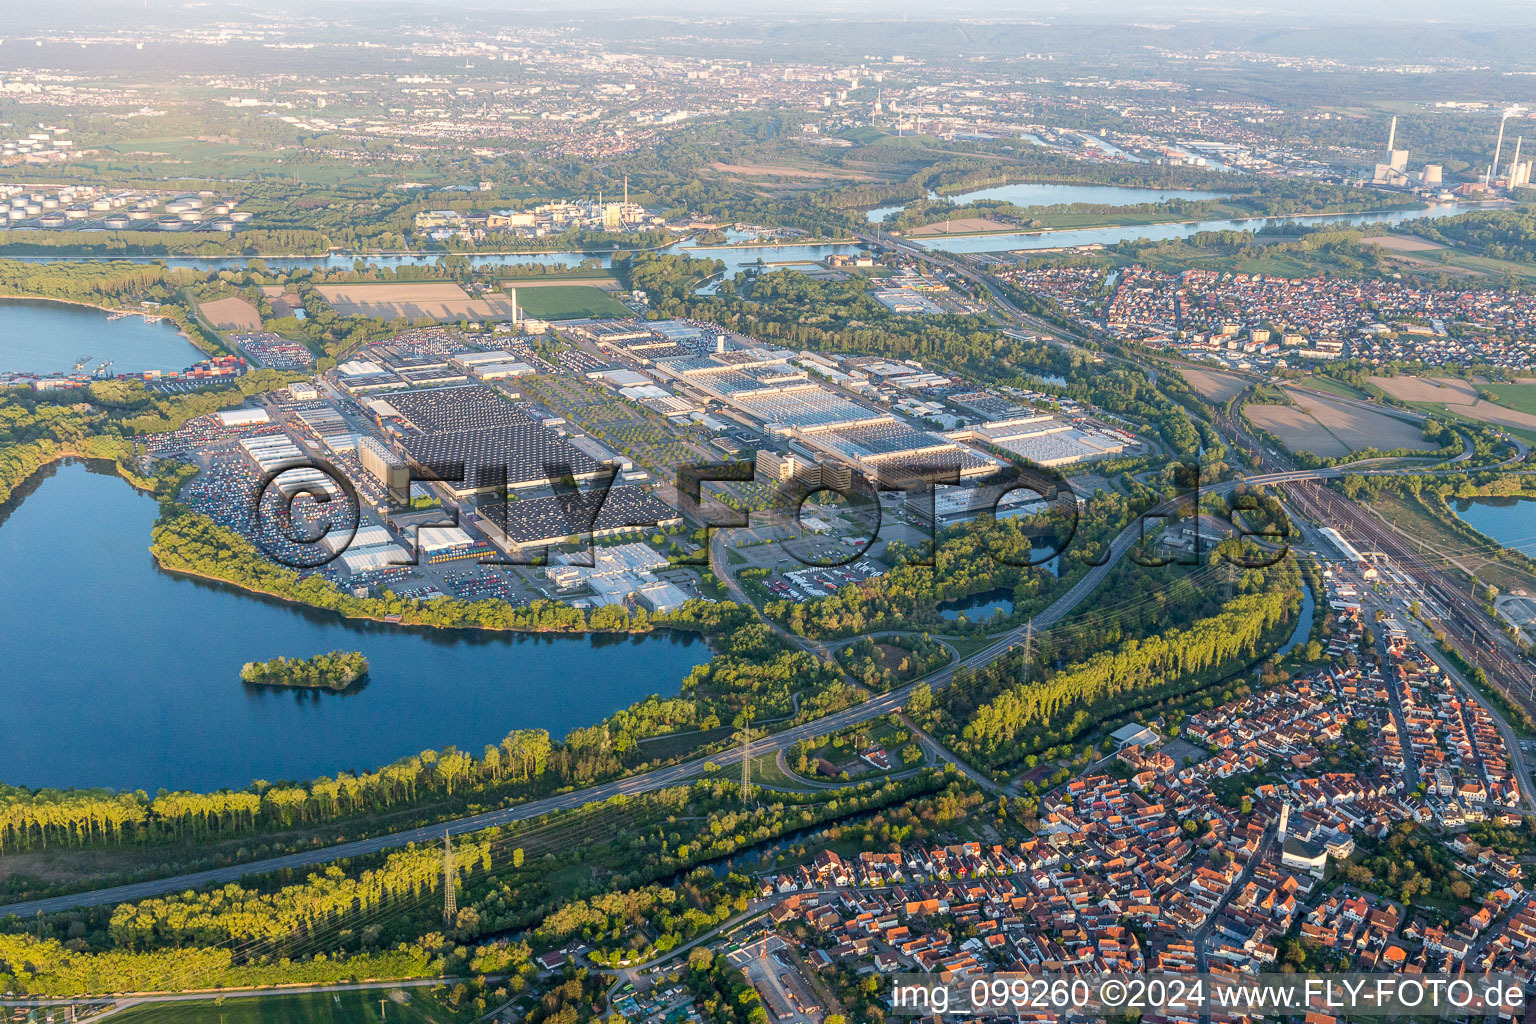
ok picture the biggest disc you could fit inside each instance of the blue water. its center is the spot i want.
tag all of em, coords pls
(49, 337)
(1034, 194)
(978, 607)
(1510, 521)
(1303, 623)
(1163, 232)
(113, 673)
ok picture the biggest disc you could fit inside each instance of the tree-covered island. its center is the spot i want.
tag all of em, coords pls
(335, 671)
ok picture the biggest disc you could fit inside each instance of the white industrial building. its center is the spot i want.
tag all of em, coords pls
(380, 556)
(243, 417)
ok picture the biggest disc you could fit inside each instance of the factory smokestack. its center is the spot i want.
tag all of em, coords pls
(1499, 147)
(1514, 165)
(515, 315)
(1391, 138)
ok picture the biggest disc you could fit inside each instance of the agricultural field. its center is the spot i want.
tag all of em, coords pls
(1335, 387)
(1212, 384)
(1402, 243)
(1518, 397)
(438, 300)
(1516, 406)
(568, 302)
(231, 314)
(283, 302)
(961, 226)
(1333, 429)
(808, 169)
(1296, 430)
(596, 278)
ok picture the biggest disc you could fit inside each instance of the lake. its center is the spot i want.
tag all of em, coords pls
(1163, 232)
(117, 674)
(1510, 521)
(1034, 194)
(50, 337)
(977, 607)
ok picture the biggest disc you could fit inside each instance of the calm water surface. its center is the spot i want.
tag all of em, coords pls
(113, 673)
(978, 607)
(1033, 194)
(1510, 521)
(50, 337)
(1163, 232)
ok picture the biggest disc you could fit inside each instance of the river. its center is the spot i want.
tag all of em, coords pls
(736, 254)
(50, 337)
(1510, 521)
(737, 257)
(1028, 193)
(118, 674)
(1163, 232)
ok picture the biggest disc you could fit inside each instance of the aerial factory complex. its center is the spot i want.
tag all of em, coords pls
(666, 516)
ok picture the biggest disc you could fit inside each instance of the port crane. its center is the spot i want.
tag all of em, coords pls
(102, 372)
(80, 363)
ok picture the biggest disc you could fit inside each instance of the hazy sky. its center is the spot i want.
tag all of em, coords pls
(1485, 12)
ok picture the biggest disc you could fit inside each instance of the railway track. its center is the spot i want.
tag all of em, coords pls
(1466, 627)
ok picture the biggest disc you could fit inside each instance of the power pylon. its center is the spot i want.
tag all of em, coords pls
(746, 759)
(1228, 577)
(450, 894)
(1029, 650)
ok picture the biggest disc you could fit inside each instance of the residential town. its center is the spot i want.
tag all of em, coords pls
(1265, 321)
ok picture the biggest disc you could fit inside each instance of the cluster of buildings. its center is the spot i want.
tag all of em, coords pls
(1264, 320)
(49, 146)
(1148, 862)
(917, 294)
(536, 222)
(435, 357)
(616, 574)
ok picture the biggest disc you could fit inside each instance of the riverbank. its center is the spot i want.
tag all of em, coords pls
(176, 315)
(1123, 222)
(346, 611)
(774, 245)
(95, 625)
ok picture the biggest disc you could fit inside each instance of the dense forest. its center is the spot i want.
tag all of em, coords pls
(1498, 234)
